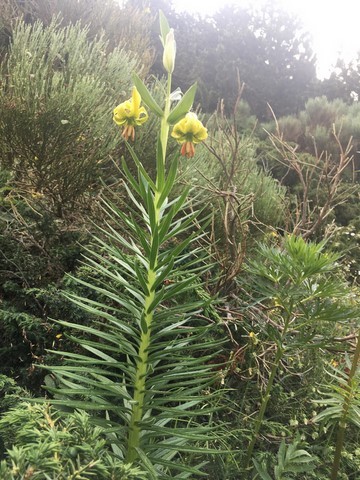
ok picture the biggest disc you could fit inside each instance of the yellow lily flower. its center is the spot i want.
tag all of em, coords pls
(189, 131)
(129, 114)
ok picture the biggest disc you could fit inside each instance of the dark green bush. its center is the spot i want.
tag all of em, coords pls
(47, 446)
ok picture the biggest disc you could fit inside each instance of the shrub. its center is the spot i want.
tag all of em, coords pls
(56, 96)
(48, 446)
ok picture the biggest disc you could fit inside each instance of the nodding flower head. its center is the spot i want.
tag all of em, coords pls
(129, 114)
(189, 131)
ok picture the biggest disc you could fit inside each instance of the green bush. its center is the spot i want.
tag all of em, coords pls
(260, 196)
(57, 94)
(10, 393)
(48, 446)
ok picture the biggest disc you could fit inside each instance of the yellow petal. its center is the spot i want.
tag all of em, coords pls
(189, 129)
(136, 100)
(142, 116)
(122, 112)
(191, 123)
(201, 135)
(179, 129)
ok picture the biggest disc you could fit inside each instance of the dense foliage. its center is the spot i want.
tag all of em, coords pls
(167, 317)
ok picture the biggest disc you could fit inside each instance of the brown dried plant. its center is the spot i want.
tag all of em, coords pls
(320, 177)
(230, 252)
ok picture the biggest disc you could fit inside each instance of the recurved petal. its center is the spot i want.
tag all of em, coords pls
(136, 100)
(142, 116)
(179, 137)
(201, 135)
(122, 112)
(179, 129)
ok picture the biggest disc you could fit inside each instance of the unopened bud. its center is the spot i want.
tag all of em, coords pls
(169, 51)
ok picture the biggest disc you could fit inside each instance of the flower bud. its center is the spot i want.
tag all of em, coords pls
(169, 51)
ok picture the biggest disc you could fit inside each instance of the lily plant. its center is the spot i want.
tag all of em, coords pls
(144, 365)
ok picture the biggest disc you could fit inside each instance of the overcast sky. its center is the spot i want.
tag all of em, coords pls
(334, 26)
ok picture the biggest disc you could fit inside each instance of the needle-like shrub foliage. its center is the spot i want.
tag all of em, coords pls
(56, 92)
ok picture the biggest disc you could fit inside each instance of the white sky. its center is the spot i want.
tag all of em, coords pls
(334, 26)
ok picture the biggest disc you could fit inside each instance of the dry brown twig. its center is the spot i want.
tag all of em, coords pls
(311, 214)
(230, 252)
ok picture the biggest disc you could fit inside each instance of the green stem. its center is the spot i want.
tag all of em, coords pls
(148, 315)
(267, 395)
(164, 134)
(264, 402)
(141, 373)
(346, 406)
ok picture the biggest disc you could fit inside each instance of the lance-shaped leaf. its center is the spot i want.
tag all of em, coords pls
(146, 96)
(160, 167)
(164, 27)
(183, 107)
(169, 183)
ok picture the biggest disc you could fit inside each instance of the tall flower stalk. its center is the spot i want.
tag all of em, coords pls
(146, 362)
(157, 200)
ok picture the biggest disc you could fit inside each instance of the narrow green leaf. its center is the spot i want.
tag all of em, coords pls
(117, 278)
(160, 167)
(156, 301)
(79, 358)
(143, 325)
(154, 249)
(168, 183)
(167, 219)
(106, 252)
(261, 470)
(104, 356)
(141, 279)
(144, 189)
(176, 251)
(83, 302)
(184, 106)
(146, 96)
(123, 346)
(146, 463)
(96, 386)
(114, 215)
(142, 238)
(140, 167)
(82, 405)
(187, 472)
(98, 309)
(129, 176)
(173, 290)
(150, 203)
(164, 26)
(165, 223)
(112, 234)
(180, 201)
(138, 205)
(181, 225)
(162, 274)
(187, 448)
